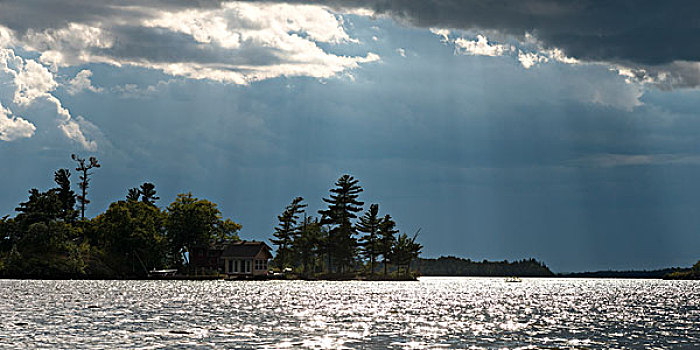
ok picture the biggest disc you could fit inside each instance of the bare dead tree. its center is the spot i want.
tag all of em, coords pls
(84, 179)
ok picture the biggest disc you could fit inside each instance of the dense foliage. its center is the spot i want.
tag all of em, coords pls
(133, 236)
(196, 222)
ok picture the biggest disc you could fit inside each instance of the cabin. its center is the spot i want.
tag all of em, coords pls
(245, 258)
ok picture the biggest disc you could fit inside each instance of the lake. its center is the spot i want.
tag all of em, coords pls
(444, 313)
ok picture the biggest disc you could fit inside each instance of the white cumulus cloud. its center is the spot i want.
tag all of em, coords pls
(13, 128)
(480, 47)
(232, 42)
(529, 59)
(24, 83)
(82, 82)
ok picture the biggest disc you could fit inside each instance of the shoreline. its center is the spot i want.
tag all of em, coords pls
(359, 279)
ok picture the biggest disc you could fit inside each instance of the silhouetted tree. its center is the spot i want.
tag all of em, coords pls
(133, 195)
(308, 244)
(148, 193)
(404, 251)
(286, 231)
(386, 239)
(65, 195)
(41, 207)
(84, 180)
(342, 206)
(369, 243)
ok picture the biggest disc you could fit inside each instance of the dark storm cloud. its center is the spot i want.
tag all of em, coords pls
(630, 31)
(643, 32)
(24, 15)
(654, 41)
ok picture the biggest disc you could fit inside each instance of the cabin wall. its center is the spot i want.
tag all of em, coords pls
(245, 266)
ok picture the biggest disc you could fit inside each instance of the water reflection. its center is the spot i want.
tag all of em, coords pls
(433, 313)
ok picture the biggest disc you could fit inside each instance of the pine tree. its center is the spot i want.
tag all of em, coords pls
(342, 206)
(386, 239)
(148, 193)
(133, 195)
(369, 243)
(286, 231)
(65, 195)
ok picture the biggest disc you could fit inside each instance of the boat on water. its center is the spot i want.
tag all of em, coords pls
(162, 273)
(513, 279)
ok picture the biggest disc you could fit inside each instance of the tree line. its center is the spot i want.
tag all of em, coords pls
(454, 266)
(337, 241)
(50, 236)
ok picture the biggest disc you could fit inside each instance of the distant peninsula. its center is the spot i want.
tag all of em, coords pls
(659, 273)
(454, 266)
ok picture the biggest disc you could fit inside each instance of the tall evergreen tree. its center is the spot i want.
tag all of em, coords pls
(148, 193)
(342, 206)
(133, 195)
(65, 195)
(42, 207)
(286, 231)
(369, 243)
(84, 180)
(387, 239)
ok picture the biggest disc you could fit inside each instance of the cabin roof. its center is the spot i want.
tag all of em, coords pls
(245, 249)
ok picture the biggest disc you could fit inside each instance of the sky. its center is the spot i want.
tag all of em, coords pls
(563, 131)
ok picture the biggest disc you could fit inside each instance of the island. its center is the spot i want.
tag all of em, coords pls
(134, 238)
(50, 237)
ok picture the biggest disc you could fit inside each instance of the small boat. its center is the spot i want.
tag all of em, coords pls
(513, 279)
(162, 273)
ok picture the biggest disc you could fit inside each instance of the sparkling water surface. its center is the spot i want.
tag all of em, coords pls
(445, 313)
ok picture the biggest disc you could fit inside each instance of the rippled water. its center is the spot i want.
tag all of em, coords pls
(432, 313)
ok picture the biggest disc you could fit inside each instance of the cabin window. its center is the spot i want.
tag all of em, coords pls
(230, 266)
(259, 264)
(248, 266)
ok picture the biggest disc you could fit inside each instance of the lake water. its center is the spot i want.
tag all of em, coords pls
(471, 313)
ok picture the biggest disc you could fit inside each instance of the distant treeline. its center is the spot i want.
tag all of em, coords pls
(661, 273)
(692, 273)
(453, 266)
